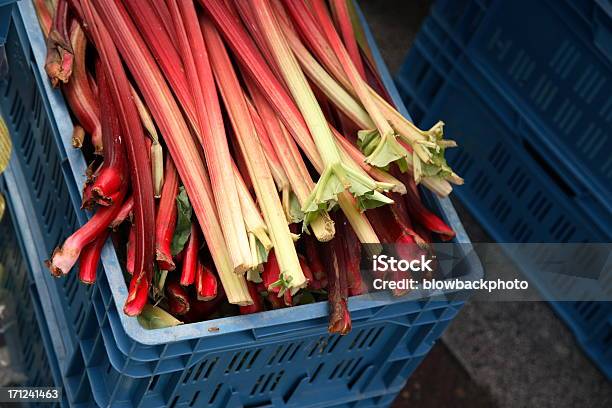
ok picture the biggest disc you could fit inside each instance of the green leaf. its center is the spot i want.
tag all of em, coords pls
(363, 188)
(381, 151)
(153, 317)
(183, 222)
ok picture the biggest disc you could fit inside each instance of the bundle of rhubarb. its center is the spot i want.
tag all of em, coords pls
(240, 152)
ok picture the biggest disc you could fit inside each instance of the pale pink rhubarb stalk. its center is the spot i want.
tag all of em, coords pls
(253, 63)
(79, 94)
(169, 118)
(165, 221)
(206, 283)
(251, 149)
(64, 258)
(246, 51)
(140, 175)
(276, 168)
(211, 130)
(156, 151)
(190, 258)
(90, 258)
(60, 57)
(337, 175)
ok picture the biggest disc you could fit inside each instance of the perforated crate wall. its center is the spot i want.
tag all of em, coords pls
(29, 353)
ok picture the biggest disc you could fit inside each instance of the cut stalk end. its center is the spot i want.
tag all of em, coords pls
(78, 137)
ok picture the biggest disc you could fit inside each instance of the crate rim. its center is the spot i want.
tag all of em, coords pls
(27, 24)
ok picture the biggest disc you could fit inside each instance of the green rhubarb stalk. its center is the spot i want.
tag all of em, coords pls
(255, 224)
(295, 168)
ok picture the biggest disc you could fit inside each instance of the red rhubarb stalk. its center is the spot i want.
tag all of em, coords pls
(314, 260)
(190, 258)
(307, 271)
(199, 311)
(88, 200)
(79, 94)
(342, 16)
(140, 175)
(178, 299)
(60, 57)
(124, 213)
(90, 258)
(257, 305)
(113, 174)
(131, 251)
(351, 252)
(271, 274)
(206, 283)
(339, 316)
(426, 218)
(64, 257)
(166, 218)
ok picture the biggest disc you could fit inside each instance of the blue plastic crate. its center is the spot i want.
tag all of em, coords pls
(28, 337)
(7, 2)
(517, 191)
(277, 358)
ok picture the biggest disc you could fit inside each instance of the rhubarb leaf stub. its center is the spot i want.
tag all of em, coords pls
(381, 151)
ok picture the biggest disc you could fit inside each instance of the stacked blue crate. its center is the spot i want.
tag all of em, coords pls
(28, 335)
(525, 88)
